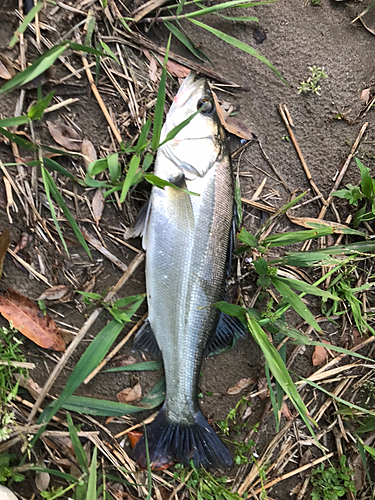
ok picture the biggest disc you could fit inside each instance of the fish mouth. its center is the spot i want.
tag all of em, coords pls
(189, 87)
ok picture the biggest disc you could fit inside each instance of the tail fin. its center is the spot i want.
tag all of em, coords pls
(169, 441)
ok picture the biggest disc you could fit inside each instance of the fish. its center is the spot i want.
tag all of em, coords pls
(188, 235)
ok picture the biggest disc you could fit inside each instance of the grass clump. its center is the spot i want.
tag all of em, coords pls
(9, 352)
(332, 483)
(312, 83)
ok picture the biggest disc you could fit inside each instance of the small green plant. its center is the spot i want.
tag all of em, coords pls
(202, 485)
(332, 483)
(312, 83)
(10, 352)
(316, 2)
(231, 420)
(362, 195)
(7, 471)
(242, 451)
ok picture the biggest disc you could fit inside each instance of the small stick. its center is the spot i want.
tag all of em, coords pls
(180, 486)
(80, 335)
(96, 244)
(95, 91)
(10, 201)
(17, 364)
(127, 245)
(343, 170)
(258, 192)
(146, 8)
(284, 113)
(28, 267)
(115, 350)
(295, 471)
(265, 156)
(61, 104)
(147, 420)
(259, 206)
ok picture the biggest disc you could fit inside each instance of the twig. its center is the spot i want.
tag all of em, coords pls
(180, 486)
(28, 267)
(96, 244)
(259, 206)
(61, 104)
(295, 471)
(284, 113)
(18, 364)
(146, 8)
(343, 171)
(115, 350)
(100, 100)
(265, 156)
(146, 421)
(80, 335)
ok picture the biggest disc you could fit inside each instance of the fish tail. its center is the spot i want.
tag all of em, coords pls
(172, 441)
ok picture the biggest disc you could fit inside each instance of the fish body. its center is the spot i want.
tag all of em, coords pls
(186, 240)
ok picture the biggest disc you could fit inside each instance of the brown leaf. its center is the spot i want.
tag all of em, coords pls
(262, 384)
(123, 360)
(134, 437)
(365, 95)
(55, 293)
(28, 384)
(359, 472)
(286, 412)
(177, 70)
(130, 394)
(6, 68)
(24, 240)
(320, 355)
(30, 320)
(42, 479)
(153, 70)
(241, 384)
(88, 150)
(4, 245)
(65, 136)
(231, 124)
(97, 205)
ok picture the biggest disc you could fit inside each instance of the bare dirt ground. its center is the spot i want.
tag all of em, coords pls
(298, 35)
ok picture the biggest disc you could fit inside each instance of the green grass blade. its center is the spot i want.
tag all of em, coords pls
(91, 485)
(36, 111)
(104, 408)
(86, 48)
(60, 201)
(184, 40)
(240, 18)
(27, 20)
(54, 472)
(161, 183)
(109, 51)
(138, 367)
(142, 139)
(238, 44)
(51, 207)
(160, 100)
(149, 477)
(295, 302)
(90, 25)
(90, 359)
(301, 286)
(221, 6)
(77, 446)
(53, 165)
(248, 238)
(364, 461)
(175, 130)
(231, 309)
(133, 165)
(113, 167)
(272, 397)
(278, 240)
(14, 121)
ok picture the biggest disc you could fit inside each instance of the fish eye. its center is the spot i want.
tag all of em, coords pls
(206, 106)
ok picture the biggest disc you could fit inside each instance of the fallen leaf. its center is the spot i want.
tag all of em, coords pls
(30, 320)
(55, 293)
(29, 384)
(88, 151)
(123, 360)
(320, 355)
(177, 70)
(4, 245)
(24, 240)
(357, 466)
(241, 384)
(42, 479)
(365, 95)
(6, 68)
(153, 70)
(286, 412)
(97, 205)
(134, 437)
(305, 459)
(247, 413)
(130, 394)
(262, 384)
(65, 136)
(231, 124)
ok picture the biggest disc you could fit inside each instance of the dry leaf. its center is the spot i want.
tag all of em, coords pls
(123, 360)
(286, 412)
(65, 136)
(241, 384)
(365, 95)
(4, 245)
(177, 70)
(262, 384)
(320, 355)
(30, 320)
(29, 384)
(24, 240)
(6, 68)
(97, 205)
(42, 479)
(359, 472)
(247, 413)
(134, 437)
(153, 70)
(55, 293)
(88, 151)
(130, 394)
(231, 124)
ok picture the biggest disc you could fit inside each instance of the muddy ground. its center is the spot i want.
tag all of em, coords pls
(298, 35)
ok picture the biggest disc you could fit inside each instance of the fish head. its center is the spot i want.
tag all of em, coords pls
(200, 143)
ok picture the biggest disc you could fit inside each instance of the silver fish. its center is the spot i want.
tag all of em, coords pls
(187, 239)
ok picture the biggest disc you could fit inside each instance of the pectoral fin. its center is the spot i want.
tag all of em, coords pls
(181, 209)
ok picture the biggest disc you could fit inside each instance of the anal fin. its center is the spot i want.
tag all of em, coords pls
(228, 330)
(145, 341)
